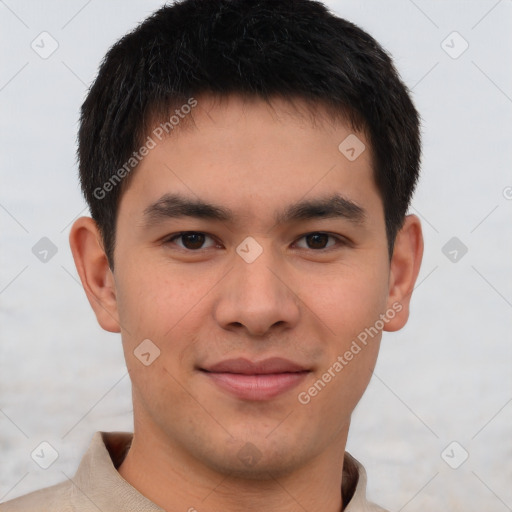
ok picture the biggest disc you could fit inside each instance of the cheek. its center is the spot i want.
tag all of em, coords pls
(348, 301)
(350, 309)
(157, 306)
(167, 308)
(153, 301)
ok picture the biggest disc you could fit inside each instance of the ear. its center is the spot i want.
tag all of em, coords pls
(94, 271)
(404, 269)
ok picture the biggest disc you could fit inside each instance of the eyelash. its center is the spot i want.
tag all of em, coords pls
(341, 241)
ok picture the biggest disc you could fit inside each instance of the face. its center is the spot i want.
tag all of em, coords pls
(259, 304)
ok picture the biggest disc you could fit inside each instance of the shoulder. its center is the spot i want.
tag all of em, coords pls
(50, 499)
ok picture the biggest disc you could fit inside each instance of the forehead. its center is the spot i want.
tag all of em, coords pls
(313, 111)
(250, 154)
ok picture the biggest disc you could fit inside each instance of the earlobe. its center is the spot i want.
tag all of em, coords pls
(94, 271)
(404, 270)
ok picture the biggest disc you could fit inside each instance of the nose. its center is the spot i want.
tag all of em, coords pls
(255, 297)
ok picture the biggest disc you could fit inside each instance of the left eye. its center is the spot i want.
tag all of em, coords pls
(319, 241)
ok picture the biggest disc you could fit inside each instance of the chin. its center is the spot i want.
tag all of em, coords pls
(257, 459)
(260, 467)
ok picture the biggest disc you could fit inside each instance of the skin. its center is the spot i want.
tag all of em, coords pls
(201, 306)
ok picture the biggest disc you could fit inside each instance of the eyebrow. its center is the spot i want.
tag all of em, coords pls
(178, 206)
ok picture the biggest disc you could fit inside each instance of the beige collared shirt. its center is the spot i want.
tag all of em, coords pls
(98, 487)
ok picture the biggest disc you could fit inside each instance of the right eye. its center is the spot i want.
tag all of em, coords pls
(190, 240)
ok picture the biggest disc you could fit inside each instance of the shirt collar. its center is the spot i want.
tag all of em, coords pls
(98, 479)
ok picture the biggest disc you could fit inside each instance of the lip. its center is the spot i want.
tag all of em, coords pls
(244, 366)
(261, 380)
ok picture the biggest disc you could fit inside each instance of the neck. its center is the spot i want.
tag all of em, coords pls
(174, 481)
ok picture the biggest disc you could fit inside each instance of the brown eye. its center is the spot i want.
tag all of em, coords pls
(191, 240)
(319, 241)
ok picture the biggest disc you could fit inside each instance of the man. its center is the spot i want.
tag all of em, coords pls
(248, 166)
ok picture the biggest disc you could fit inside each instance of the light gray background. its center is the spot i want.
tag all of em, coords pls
(445, 377)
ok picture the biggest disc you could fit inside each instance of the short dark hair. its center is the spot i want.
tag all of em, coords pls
(253, 48)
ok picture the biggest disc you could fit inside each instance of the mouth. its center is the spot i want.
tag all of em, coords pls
(256, 381)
